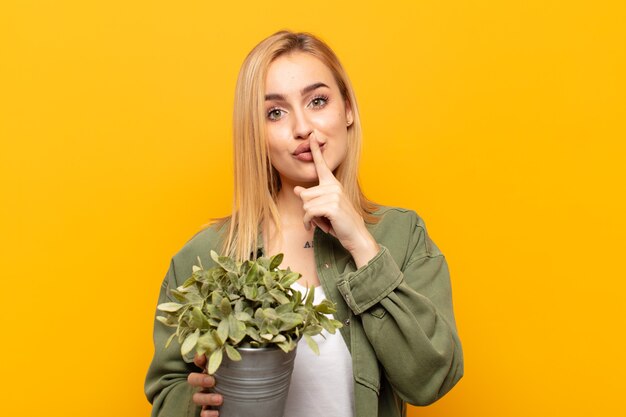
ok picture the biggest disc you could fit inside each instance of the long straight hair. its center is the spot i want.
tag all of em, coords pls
(257, 183)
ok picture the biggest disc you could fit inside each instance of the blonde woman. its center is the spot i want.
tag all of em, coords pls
(297, 139)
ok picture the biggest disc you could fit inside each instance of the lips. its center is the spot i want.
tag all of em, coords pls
(303, 151)
(304, 147)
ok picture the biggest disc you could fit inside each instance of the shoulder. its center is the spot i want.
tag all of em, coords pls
(199, 246)
(403, 232)
(395, 219)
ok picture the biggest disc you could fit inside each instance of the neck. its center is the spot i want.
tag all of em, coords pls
(291, 216)
(289, 206)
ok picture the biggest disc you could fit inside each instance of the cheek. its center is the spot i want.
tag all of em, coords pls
(277, 137)
(331, 121)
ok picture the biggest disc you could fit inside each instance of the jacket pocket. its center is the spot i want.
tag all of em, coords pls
(377, 311)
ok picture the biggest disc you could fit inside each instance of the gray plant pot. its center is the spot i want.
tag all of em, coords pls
(257, 385)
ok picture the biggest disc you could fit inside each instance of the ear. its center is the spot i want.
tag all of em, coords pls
(349, 115)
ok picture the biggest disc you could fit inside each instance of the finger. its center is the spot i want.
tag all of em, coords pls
(320, 191)
(204, 398)
(201, 380)
(319, 216)
(200, 360)
(324, 174)
(297, 190)
(209, 413)
(323, 224)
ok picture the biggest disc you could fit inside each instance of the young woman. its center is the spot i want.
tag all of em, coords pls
(297, 139)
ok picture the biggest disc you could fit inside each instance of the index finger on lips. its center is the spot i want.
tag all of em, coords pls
(324, 173)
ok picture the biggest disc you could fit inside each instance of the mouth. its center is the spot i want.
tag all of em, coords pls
(303, 152)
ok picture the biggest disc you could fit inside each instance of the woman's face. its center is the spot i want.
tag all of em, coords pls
(303, 102)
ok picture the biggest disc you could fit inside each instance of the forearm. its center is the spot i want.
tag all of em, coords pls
(408, 315)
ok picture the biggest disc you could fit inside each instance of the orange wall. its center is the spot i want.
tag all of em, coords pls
(501, 123)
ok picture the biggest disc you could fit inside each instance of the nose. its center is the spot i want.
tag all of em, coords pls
(302, 127)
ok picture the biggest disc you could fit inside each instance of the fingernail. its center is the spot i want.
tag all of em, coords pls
(218, 399)
(208, 380)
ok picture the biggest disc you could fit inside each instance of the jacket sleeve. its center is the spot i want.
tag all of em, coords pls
(408, 317)
(166, 384)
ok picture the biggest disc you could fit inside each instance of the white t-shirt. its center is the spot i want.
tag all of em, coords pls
(321, 385)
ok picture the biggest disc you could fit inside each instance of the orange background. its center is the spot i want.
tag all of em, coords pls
(501, 123)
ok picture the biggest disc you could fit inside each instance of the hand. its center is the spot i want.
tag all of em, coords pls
(327, 207)
(204, 382)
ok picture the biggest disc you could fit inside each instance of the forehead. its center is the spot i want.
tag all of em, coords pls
(291, 72)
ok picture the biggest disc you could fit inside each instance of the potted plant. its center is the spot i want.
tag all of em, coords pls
(247, 320)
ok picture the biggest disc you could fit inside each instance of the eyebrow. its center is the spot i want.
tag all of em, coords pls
(307, 89)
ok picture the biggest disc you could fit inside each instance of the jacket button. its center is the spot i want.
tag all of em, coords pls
(346, 322)
(326, 266)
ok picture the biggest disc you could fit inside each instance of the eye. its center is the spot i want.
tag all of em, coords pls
(275, 114)
(319, 101)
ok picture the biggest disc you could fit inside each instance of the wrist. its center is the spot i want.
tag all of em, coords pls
(364, 250)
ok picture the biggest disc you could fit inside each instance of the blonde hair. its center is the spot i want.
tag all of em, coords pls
(257, 183)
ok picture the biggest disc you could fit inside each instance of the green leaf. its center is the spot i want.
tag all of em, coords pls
(189, 282)
(169, 340)
(271, 328)
(189, 343)
(312, 344)
(216, 298)
(312, 330)
(253, 333)
(225, 307)
(198, 319)
(252, 275)
(168, 321)
(225, 262)
(232, 353)
(289, 279)
(270, 313)
(268, 280)
(275, 261)
(237, 329)
(290, 320)
(325, 307)
(287, 346)
(243, 316)
(279, 296)
(207, 342)
(329, 325)
(234, 280)
(215, 360)
(251, 293)
(222, 331)
(169, 307)
(212, 311)
(180, 296)
(309, 298)
(284, 308)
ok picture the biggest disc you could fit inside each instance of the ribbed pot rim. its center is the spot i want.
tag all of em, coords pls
(256, 349)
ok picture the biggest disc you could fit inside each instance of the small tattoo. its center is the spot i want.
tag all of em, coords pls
(308, 244)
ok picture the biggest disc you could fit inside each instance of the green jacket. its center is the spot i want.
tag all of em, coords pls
(397, 312)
